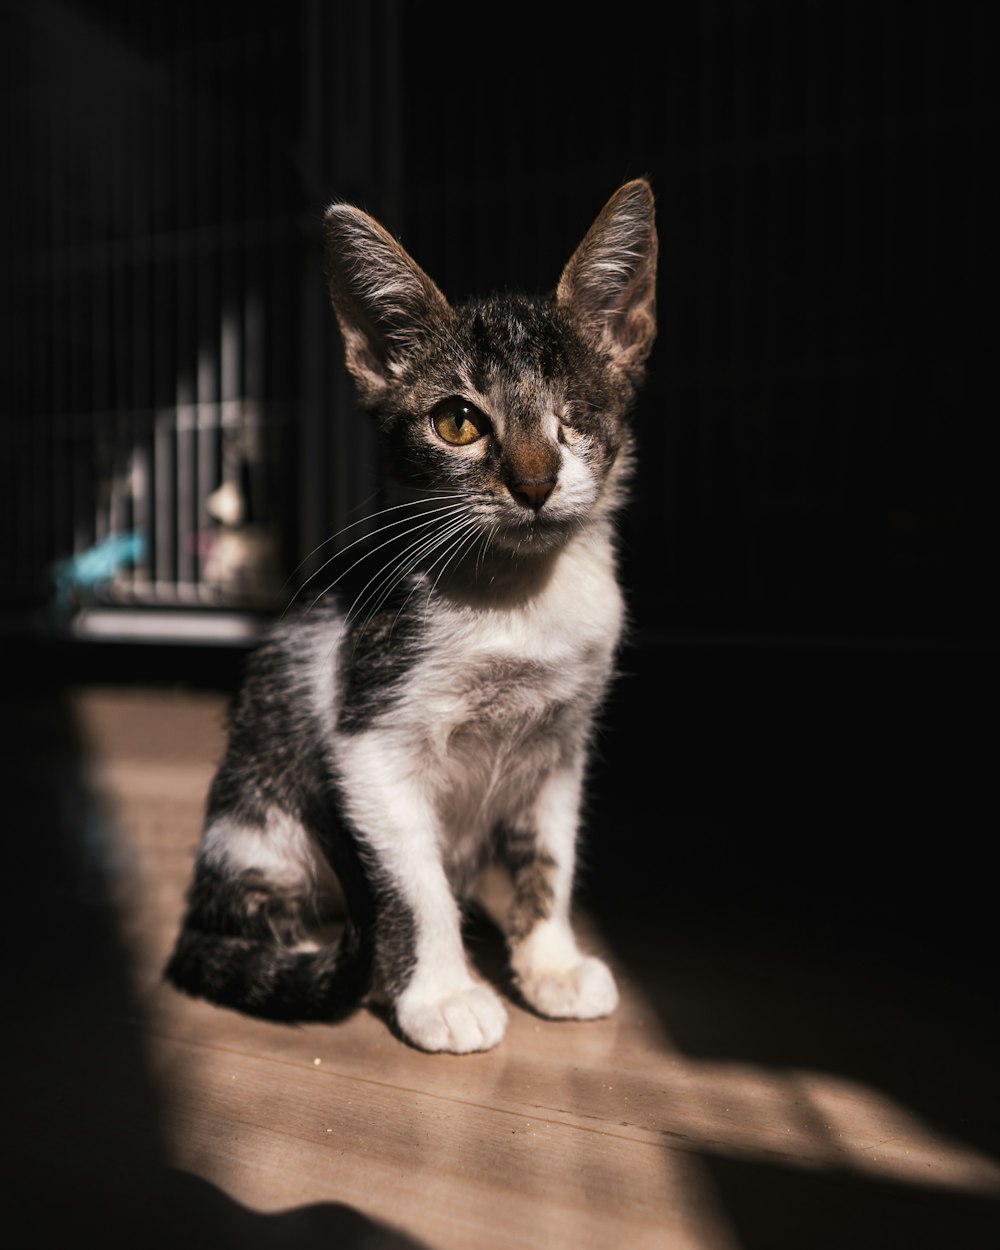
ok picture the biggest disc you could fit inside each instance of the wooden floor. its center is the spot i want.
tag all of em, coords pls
(138, 1117)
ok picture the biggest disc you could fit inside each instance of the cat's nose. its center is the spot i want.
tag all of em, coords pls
(532, 494)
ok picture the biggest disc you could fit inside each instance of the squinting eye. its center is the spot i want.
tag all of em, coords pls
(575, 415)
(458, 422)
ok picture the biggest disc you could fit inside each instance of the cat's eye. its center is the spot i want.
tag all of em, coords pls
(575, 415)
(458, 422)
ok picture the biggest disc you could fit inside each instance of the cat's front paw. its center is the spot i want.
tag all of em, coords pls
(583, 991)
(462, 1021)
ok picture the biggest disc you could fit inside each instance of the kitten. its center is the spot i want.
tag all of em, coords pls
(441, 722)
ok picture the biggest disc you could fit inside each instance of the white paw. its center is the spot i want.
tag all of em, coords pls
(465, 1020)
(584, 991)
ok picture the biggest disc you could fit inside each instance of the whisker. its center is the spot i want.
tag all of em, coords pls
(415, 503)
(409, 555)
(462, 547)
(487, 539)
(394, 573)
(439, 514)
(431, 547)
(476, 535)
(305, 560)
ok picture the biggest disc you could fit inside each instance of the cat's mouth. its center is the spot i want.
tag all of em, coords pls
(536, 531)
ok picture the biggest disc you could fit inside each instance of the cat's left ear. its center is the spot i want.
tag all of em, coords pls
(609, 284)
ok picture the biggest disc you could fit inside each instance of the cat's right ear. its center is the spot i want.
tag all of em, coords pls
(383, 300)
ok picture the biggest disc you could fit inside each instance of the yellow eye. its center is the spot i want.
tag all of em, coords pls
(458, 422)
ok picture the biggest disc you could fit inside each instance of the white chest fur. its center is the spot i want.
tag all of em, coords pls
(491, 670)
(500, 698)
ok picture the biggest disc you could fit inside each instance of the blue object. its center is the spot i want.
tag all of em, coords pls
(82, 576)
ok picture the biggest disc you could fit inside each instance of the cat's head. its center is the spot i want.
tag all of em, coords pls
(515, 405)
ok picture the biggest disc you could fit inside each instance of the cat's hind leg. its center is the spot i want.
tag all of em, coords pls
(551, 972)
(245, 941)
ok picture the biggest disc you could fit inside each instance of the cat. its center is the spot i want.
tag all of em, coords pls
(441, 722)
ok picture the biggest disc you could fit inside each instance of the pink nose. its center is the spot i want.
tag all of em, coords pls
(532, 494)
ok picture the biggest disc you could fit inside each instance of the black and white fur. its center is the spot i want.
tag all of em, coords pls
(440, 721)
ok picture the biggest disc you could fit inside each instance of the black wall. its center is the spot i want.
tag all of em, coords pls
(811, 433)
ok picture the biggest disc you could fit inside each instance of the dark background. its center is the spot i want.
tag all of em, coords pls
(800, 754)
(812, 460)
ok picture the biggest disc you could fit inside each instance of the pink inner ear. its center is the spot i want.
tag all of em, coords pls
(609, 284)
(618, 318)
(364, 365)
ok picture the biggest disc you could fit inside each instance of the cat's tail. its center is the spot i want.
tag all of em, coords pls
(239, 947)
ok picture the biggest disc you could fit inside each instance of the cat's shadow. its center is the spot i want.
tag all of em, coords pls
(486, 946)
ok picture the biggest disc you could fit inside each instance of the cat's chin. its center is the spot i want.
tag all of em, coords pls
(536, 537)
